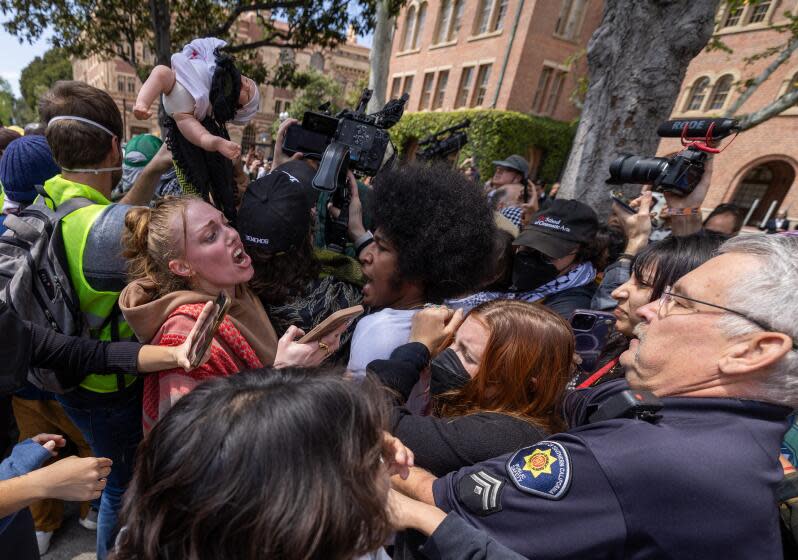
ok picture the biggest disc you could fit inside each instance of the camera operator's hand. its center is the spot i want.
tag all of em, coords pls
(687, 224)
(433, 326)
(531, 207)
(637, 227)
(696, 198)
(356, 227)
(280, 157)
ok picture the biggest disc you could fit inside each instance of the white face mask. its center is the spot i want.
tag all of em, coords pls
(245, 113)
(94, 170)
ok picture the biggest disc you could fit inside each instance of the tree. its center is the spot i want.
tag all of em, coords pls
(42, 72)
(114, 28)
(314, 89)
(6, 103)
(637, 59)
(380, 55)
(746, 87)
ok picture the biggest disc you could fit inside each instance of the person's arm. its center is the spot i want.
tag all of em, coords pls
(402, 370)
(143, 189)
(417, 486)
(443, 445)
(198, 135)
(160, 80)
(688, 218)
(450, 536)
(72, 356)
(75, 479)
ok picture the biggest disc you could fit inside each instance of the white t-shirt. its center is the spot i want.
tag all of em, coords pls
(377, 335)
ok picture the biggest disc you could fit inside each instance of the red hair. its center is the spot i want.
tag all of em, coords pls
(526, 365)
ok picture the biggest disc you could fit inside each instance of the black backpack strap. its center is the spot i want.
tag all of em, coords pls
(113, 321)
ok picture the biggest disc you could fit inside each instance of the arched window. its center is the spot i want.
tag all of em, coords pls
(410, 26)
(697, 95)
(422, 16)
(444, 19)
(449, 17)
(720, 92)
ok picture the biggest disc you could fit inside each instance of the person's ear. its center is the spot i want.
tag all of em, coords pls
(754, 354)
(179, 267)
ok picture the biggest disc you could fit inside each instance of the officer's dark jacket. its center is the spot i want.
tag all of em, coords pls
(699, 483)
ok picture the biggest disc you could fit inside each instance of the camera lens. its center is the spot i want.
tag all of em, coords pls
(637, 169)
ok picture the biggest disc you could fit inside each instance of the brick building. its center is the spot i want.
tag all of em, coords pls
(503, 54)
(761, 164)
(348, 63)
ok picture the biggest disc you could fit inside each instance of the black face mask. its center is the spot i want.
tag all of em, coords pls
(530, 271)
(447, 372)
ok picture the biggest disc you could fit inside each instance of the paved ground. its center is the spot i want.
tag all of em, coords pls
(72, 542)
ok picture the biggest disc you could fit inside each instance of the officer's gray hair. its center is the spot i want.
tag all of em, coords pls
(768, 294)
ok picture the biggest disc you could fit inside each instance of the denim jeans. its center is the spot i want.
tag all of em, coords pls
(112, 429)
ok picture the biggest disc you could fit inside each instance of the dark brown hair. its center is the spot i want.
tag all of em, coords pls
(280, 276)
(76, 144)
(527, 362)
(6, 137)
(266, 464)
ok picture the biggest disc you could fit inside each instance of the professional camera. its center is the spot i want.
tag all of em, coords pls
(681, 173)
(350, 140)
(439, 146)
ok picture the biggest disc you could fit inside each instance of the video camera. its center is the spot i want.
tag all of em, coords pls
(681, 173)
(349, 140)
(438, 147)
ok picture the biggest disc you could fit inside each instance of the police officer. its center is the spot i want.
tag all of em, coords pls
(694, 479)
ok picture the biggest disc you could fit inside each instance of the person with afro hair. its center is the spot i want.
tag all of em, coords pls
(432, 241)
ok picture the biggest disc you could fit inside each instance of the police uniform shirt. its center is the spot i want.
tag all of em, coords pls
(698, 483)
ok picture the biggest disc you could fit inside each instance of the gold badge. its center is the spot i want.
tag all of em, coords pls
(539, 462)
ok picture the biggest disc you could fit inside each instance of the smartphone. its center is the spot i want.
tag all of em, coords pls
(592, 330)
(332, 323)
(208, 329)
(619, 198)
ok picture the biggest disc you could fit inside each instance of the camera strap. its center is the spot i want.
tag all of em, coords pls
(590, 381)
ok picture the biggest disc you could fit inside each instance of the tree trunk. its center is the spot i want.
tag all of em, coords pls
(161, 27)
(380, 57)
(637, 59)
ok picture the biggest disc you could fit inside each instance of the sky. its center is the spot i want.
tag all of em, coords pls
(17, 56)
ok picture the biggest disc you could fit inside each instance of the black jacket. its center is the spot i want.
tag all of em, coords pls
(442, 445)
(27, 345)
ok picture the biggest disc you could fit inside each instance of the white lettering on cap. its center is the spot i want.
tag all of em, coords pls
(552, 223)
(291, 177)
(258, 240)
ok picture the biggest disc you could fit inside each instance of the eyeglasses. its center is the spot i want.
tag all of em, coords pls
(668, 305)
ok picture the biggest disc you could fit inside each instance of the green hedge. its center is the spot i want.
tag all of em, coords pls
(493, 135)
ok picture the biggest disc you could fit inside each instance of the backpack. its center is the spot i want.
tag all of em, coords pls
(34, 277)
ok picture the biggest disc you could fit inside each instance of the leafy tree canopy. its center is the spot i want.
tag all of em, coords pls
(112, 28)
(39, 76)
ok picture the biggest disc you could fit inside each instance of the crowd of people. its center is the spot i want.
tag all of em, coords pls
(465, 414)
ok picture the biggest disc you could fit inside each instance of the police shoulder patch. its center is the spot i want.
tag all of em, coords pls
(543, 469)
(481, 492)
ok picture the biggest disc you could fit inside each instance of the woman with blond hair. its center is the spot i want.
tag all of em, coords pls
(182, 254)
(497, 387)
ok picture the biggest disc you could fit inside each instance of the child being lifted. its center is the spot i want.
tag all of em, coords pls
(186, 91)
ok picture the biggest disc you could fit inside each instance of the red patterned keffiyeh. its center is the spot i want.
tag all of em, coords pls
(230, 353)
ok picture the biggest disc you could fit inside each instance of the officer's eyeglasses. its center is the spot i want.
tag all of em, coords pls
(669, 305)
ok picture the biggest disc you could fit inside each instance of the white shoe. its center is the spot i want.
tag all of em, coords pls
(90, 521)
(43, 540)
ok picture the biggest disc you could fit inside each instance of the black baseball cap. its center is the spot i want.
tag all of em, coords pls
(559, 229)
(275, 209)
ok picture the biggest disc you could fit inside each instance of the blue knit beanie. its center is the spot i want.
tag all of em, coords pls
(26, 162)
